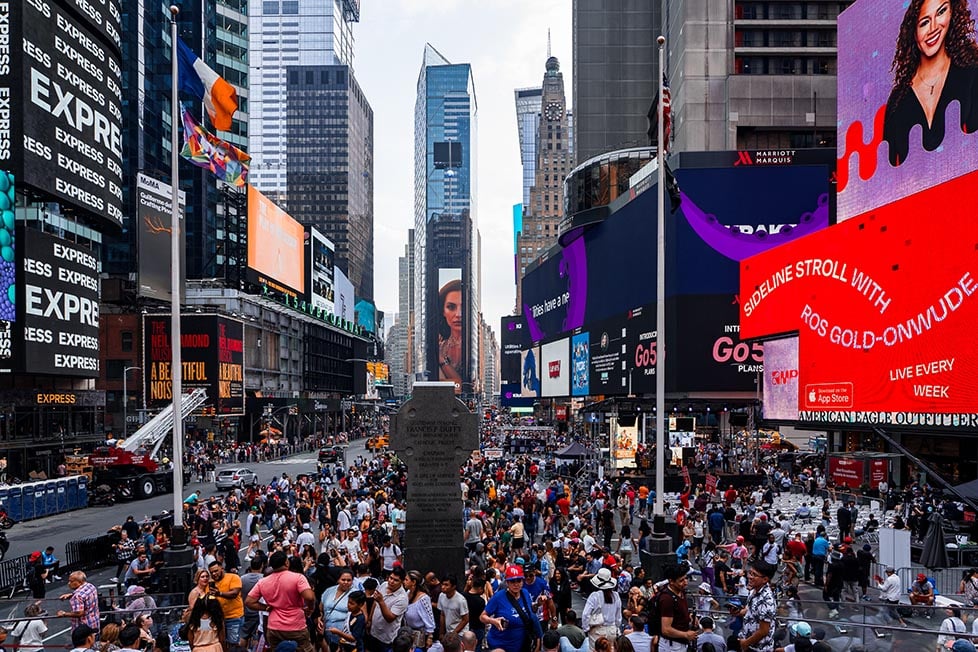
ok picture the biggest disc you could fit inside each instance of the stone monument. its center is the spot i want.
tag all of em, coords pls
(434, 434)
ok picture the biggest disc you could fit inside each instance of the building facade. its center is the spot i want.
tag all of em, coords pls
(330, 136)
(554, 158)
(446, 250)
(288, 33)
(528, 103)
(400, 341)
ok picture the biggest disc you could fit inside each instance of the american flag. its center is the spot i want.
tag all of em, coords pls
(653, 116)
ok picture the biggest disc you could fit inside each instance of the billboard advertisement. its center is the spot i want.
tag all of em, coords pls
(780, 389)
(60, 281)
(344, 305)
(321, 292)
(906, 122)
(885, 306)
(212, 350)
(8, 251)
(554, 369)
(154, 212)
(530, 370)
(61, 127)
(449, 320)
(580, 364)
(276, 250)
(366, 313)
(624, 444)
(513, 339)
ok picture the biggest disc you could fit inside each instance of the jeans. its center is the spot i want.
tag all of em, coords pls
(232, 630)
(818, 569)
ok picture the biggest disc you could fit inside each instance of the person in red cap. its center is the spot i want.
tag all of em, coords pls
(922, 592)
(36, 575)
(513, 625)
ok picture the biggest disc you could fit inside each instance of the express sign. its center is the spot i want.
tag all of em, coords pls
(885, 306)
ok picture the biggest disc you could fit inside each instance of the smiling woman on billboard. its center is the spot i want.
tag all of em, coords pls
(450, 359)
(936, 62)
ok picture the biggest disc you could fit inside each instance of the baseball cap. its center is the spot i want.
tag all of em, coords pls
(305, 526)
(921, 577)
(740, 539)
(514, 572)
(705, 586)
(802, 629)
(963, 645)
(35, 555)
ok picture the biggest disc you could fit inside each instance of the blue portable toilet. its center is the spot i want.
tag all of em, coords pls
(62, 488)
(5, 499)
(82, 495)
(14, 503)
(51, 489)
(71, 492)
(40, 500)
(27, 512)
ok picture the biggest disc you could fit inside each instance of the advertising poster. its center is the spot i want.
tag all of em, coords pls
(554, 369)
(879, 471)
(366, 313)
(212, 358)
(530, 382)
(513, 339)
(624, 444)
(379, 371)
(580, 364)
(153, 213)
(608, 347)
(60, 281)
(449, 319)
(322, 253)
(780, 389)
(8, 252)
(276, 246)
(888, 148)
(344, 306)
(846, 471)
(885, 312)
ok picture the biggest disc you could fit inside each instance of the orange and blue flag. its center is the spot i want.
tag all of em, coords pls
(200, 80)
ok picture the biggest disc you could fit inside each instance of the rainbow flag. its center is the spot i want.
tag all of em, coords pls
(206, 150)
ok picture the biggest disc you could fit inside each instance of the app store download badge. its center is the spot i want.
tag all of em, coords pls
(828, 396)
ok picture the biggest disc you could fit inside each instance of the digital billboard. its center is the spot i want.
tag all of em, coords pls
(449, 322)
(212, 357)
(885, 305)
(780, 389)
(906, 122)
(366, 315)
(8, 251)
(61, 122)
(580, 364)
(154, 213)
(321, 291)
(60, 300)
(344, 305)
(513, 338)
(530, 373)
(555, 368)
(276, 250)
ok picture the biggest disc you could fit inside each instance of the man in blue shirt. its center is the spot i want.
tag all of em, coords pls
(682, 552)
(820, 550)
(50, 562)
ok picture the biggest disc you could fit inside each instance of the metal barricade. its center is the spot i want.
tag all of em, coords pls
(13, 571)
(89, 554)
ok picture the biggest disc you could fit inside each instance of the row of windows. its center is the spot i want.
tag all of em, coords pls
(785, 66)
(789, 10)
(287, 7)
(757, 38)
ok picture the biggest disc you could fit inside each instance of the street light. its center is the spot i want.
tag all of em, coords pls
(125, 400)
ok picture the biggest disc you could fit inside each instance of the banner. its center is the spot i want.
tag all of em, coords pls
(686, 476)
(846, 471)
(879, 471)
(205, 150)
(711, 484)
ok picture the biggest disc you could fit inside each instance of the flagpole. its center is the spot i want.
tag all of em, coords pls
(660, 298)
(176, 370)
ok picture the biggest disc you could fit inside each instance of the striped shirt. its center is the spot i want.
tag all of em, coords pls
(85, 600)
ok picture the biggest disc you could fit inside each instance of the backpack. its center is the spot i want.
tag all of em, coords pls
(653, 618)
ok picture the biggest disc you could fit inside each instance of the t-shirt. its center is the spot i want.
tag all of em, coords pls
(248, 581)
(31, 633)
(232, 607)
(678, 610)
(473, 530)
(453, 609)
(761, 608)
(283, 591)
(511, 638)
(390, 554)
(397, 602)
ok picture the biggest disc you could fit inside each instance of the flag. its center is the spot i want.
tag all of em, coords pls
(653, 116)
(200, 80)
(206, 150)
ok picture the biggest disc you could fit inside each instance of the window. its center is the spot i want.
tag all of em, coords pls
(126, 341)
(115, 369)
(290, 7)
(270, 8)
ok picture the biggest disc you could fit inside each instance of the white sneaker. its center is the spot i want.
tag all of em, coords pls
(833, 613)
(114, 580)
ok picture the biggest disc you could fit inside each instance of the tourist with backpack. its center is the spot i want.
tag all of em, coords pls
(669, 617)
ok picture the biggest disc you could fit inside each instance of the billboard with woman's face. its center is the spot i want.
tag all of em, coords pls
(450, 320)
(908, 99)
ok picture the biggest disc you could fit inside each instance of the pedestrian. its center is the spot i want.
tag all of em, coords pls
(125, 550)
(31, 632)
(36, 575)
(226, 587)
(205, 628)
(513, 625)
(677, 628)
(756, 635)
(83, 602)
(288, 599)
(334, 608)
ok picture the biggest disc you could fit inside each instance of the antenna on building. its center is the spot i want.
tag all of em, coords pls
(548, 42)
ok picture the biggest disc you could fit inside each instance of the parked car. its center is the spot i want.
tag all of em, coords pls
(230, 478)
(330, 454)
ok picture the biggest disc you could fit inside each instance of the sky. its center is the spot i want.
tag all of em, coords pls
(505, 41)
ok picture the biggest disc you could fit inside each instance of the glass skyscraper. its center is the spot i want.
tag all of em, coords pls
(446, 232)
(287, 33)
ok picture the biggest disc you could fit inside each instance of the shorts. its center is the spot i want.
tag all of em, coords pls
(301, 637)
(232, 630)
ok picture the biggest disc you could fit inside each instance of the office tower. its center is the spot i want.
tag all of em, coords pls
(749, 75)
(554, 158)
(400, 341)
(288, 33)
(528, 102)
(445, 224)
(615, 71)
(330, 135)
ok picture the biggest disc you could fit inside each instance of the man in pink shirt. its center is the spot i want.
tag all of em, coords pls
(289, 599)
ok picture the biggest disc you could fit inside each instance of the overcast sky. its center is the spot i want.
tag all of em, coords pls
(505, 41)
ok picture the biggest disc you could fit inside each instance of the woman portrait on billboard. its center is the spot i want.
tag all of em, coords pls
(936, 62)
(450, 363)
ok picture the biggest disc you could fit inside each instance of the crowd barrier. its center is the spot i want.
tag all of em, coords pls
(25, 502)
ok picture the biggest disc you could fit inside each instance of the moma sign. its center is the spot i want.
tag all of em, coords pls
(60, 101)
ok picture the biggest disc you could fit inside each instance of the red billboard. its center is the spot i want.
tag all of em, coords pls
(884, 305)
(846, 471)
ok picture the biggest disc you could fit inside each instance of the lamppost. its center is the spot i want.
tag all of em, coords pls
(125, 400)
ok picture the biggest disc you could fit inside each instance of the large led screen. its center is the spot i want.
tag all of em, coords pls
(322, 288)
(885, 306)
(61, 116)
(449, 321)
(580, 364)
(781, 379)
(276, 251)
(512, 340)
(907, 111)
(554, 369)
(530, 373)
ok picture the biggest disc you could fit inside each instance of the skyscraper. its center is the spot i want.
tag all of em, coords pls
(330, 135)
(616, 66)
(528, 102)
(553, 159)
(400, 342)
(288, 33)
(447, 294)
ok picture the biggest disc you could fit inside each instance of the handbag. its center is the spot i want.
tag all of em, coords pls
(596, 619)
